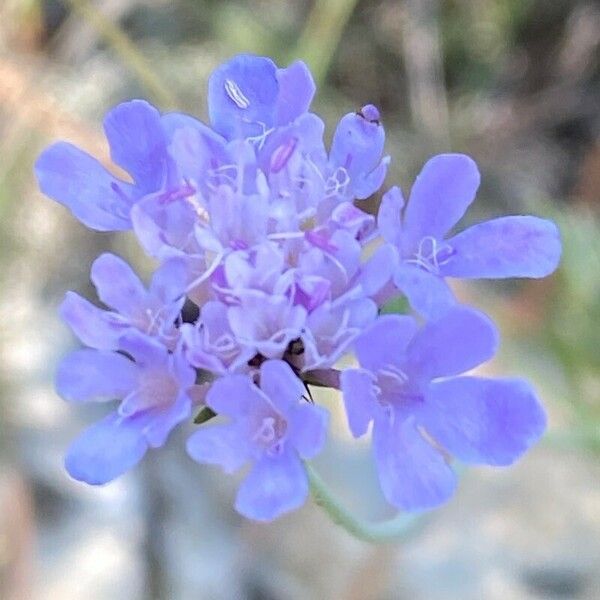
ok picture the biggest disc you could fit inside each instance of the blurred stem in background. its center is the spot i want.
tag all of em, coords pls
(424, 63)
(116, 39)
(321, 35)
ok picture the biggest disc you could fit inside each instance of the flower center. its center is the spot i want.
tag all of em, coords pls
(270, 434)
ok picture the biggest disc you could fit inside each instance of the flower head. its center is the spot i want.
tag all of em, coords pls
(272, 426)
(410, 385)
(265, 281)
(516, 246)
(155, 391)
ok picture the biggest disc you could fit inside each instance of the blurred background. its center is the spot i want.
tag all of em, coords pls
(515, 84)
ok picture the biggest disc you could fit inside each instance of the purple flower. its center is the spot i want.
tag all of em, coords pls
(153, 311)
(410, 386)
(211, 345)
(155, 389)
(516, 246)
(272, 427)
(138, 137)
(356, 153)
(253, 219)
(249, 96)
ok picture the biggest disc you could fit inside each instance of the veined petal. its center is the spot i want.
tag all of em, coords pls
(385, 342)
(79, 182)
(95, 375)
(360, 399)
(460, 340)
(484, 421)
(275, 485)
(118, 286)
(105, 450)
(137, 143)
(506, 247)
(441, 194)
(413, 475)
(427, 293)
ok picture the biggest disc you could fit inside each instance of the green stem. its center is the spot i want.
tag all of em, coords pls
(128, 52)
(386, 531)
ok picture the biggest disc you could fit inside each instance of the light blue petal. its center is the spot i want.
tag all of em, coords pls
(484, 421)
(137, 143)
(389, 216)
(360, 399)
(280, 384)
(459, 341)
(146, 351)
(235, 396)
(118, 286)
(357, 147)
(427, 293)
(505, 247)
(223, 445)
(441, 194)
(170, 280)
(367, 184)
(95, 375)
(307, 429)
(242, 96)
(296, 91)
(413, 475)
(377, 271)
(95, 327)
(385, 342)
(105, 450)
(275, 485)
(79, 182)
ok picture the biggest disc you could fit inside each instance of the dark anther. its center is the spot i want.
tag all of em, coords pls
(295, 348)
(256, 360)
(374, 121)
(190, 312)
(206, 414)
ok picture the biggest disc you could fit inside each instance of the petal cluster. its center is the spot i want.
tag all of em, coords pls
(253, 219)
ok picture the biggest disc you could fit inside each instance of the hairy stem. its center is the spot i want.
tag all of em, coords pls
(383, 532)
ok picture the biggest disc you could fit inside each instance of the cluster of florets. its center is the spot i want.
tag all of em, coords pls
(256, 226)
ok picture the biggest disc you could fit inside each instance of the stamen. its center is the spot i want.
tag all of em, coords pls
(282, 155)
(259, 139)
(233, 91)
(334, 186)
(431, 261)
(266, 432)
